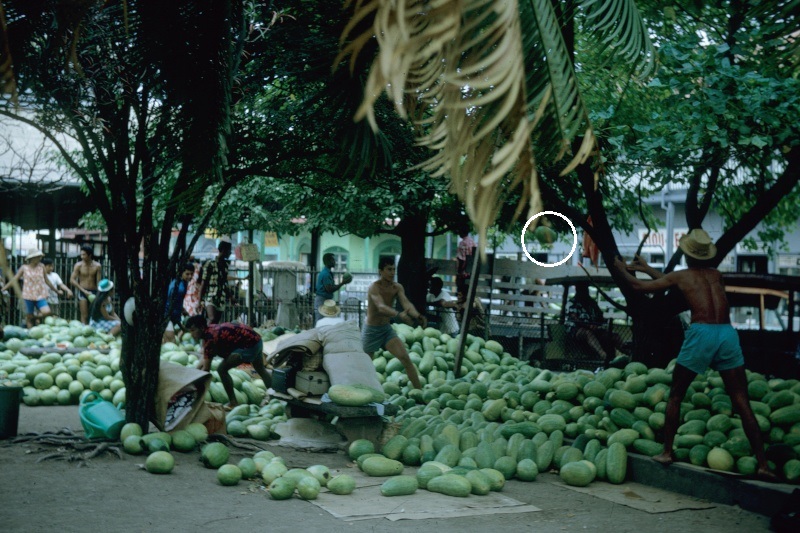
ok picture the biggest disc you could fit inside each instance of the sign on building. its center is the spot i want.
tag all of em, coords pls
(676, 236)
(270, 239)
(760, 249)
(656, 242)
(789, 261)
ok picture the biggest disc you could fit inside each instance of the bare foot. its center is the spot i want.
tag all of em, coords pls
(664, 458)
(764, 474)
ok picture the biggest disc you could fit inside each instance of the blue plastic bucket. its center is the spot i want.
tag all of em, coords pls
(100, 419)
(9, 411)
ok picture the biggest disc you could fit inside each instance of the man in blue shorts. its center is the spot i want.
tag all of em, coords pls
(235, 343)
(710, 341)
(378, 331)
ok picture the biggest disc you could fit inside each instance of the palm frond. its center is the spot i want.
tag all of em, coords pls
(490, 86)
(560, 114)
(620, 29)
(456, 68)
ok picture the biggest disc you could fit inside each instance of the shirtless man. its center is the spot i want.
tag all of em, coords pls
(85, 277)
(709, 341)
(378, 332)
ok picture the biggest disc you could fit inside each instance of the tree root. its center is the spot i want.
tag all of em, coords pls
(92, 450)
(62, 435)
(70, 446)
(247, 444)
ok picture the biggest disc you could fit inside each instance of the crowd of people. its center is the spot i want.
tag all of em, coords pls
(197, 289)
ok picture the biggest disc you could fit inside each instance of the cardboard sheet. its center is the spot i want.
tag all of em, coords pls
(173, 378)
(641, 497)
(366, 502)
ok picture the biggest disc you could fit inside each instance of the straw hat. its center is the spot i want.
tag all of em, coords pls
(329, 308)
(33, 253)
(697, 243)
(105, 285)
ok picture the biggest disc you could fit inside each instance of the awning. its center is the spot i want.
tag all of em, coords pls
(34, 206)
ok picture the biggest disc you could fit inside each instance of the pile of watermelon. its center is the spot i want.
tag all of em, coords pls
(501, 403)
(498, 413)
(58, 378)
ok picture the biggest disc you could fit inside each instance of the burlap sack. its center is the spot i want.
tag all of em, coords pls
(212, 416)
(305, 347)
(351, 368)
(341, 338)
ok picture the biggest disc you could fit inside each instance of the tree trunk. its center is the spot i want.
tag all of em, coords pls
(411, 273)
(140, 358)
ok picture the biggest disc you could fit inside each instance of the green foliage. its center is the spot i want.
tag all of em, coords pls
(714, 120)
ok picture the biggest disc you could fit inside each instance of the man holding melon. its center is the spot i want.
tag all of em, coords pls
(710, 340)
(326, 286)
(378, 331)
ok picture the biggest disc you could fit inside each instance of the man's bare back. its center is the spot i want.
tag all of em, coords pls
(705, 294)
(702, 288)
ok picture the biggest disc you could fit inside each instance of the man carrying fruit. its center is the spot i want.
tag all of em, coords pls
(326, 286)
(378, 331)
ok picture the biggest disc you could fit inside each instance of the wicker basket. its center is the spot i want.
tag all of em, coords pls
(312, 361)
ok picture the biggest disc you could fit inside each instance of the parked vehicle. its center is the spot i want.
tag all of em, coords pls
(765, 310)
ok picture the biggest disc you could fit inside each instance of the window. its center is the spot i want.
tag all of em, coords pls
(389, 248)
(341, 261)
(756, 264)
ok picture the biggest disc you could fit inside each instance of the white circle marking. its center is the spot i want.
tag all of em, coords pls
(574, 243)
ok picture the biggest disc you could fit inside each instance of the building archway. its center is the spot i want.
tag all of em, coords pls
(391, 248)
(303, 251)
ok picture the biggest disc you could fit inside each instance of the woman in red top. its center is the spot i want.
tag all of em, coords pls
(236, 344)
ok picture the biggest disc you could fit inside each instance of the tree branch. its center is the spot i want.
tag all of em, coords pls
(765, 203)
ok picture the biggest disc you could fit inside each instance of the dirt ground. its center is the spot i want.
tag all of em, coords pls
(113, 494)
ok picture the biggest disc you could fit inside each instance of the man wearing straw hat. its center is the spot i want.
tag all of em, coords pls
(34, 286)
(710, 340)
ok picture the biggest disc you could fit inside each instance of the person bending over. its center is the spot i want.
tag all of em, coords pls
(236, 344)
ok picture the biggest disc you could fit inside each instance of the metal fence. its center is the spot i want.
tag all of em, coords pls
(524, 317)
(265, 306)
(12, 309)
